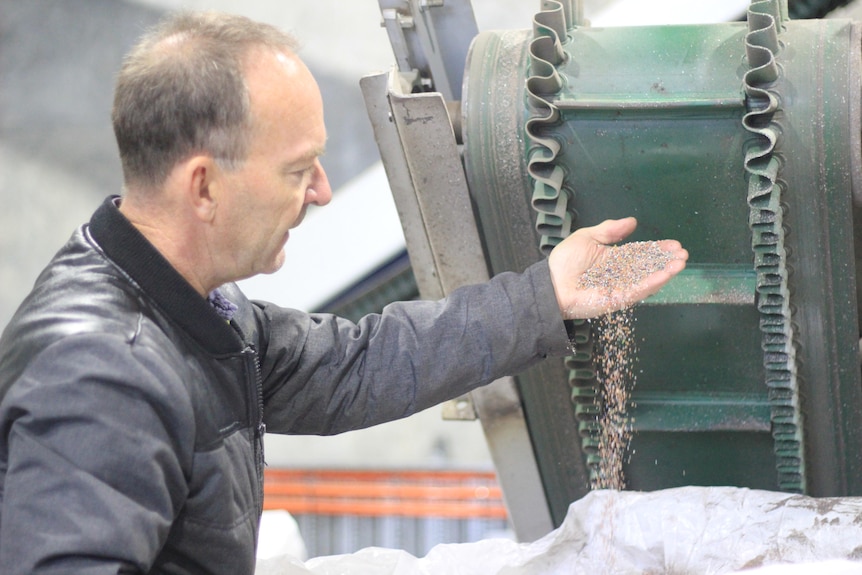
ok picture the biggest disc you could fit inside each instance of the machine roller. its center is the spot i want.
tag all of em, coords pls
(739, 139)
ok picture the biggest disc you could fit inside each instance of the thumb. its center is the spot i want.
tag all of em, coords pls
(610, 231)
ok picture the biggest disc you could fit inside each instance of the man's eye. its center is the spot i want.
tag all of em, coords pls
(299, 174)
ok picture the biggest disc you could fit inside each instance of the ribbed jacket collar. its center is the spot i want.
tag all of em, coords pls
(136, 256)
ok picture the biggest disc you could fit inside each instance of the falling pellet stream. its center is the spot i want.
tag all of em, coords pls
(623, 267)
(616, 378)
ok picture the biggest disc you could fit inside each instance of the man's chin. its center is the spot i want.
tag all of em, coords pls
(276, 265)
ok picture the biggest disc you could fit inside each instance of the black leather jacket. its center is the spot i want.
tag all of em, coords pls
(132, 414)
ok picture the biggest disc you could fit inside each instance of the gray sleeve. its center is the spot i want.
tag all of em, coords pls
(324, 375)
(93, 476)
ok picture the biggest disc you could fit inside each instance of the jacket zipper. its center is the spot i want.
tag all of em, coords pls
(260, 429)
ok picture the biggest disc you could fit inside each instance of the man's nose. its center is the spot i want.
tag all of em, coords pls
(319, 192)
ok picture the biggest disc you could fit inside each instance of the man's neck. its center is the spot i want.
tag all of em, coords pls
(167, 228)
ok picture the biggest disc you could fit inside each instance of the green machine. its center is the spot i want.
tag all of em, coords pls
(741, 140)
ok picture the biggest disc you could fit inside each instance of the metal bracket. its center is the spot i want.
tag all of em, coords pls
(431, 36)
(423, 164)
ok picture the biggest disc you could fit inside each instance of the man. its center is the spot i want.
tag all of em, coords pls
(136, 379)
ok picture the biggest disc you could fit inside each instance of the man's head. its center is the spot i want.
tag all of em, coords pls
(220, 128)
(182, 91)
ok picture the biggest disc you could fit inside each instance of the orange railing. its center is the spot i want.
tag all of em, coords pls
(445, 494)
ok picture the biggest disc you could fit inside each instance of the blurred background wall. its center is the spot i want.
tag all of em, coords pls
(58, 161)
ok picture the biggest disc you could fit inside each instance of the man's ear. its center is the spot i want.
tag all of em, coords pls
(203, 186)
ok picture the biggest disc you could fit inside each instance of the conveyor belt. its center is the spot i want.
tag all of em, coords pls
(735, 139)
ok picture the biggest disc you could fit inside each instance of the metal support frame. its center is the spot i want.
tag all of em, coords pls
(431, 37)
(422, 161)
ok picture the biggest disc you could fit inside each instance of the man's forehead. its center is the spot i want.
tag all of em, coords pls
(285, 59)
(263, 56)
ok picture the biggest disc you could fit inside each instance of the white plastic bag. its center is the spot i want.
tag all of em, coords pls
(689, 530)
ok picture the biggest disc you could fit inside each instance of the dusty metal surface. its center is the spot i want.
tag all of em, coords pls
(423, 163)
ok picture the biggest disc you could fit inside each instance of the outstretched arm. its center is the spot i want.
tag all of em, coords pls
(590, 248)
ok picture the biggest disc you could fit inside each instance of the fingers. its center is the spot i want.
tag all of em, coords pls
(675, 248)
(611, 231)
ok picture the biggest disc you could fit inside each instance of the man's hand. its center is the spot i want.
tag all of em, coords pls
(590, 246)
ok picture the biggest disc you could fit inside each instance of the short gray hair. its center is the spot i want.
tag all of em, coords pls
(182, 91)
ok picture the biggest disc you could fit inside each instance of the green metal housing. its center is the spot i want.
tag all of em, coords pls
(741, 140)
